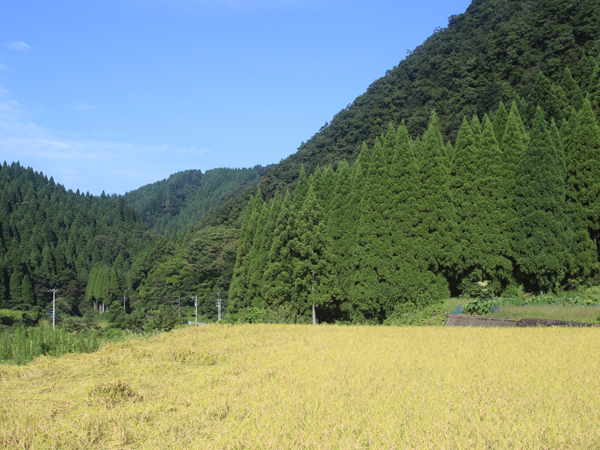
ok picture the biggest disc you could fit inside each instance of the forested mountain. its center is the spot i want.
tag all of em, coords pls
(54, 238)
(491, 53)
(475, 159)
(413, 221)
(180, 201)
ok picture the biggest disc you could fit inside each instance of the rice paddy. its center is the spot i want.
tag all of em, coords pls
(305, 387)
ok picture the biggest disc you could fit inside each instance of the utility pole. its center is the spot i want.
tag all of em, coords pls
(179, 304)
(196, 305)
(219, 305)
(53, 307)
(124, 298)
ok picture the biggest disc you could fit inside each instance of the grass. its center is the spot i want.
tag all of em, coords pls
(550, 312)
(325, 387)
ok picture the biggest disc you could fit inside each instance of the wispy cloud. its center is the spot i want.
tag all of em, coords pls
(90, 165)
(84, 106)
(17, 45)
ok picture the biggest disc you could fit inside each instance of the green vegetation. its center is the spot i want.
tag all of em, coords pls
(53, 238)
(590, 314)
(20, 345)
(493, 52)
(475, 160)
(175, 204)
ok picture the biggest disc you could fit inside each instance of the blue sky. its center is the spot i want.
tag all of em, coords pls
(112, 95)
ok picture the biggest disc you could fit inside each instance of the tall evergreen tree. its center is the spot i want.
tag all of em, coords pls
(239, 290)
(315, 280)
(493, 209)
(260, 251)
(541, 234)
(543, 96)
(572, 90)
(301, 189)
(500, 121)
(463, 194)
(476, 129)
(583, 190)
(435, 218)
(341, 227)
(374, 238)
(279, 276)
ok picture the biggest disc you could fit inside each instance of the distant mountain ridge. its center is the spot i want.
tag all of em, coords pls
(180, 201)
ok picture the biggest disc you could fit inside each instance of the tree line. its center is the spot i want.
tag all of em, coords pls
(515, 201)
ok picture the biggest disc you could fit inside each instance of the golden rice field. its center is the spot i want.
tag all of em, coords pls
(304, 387)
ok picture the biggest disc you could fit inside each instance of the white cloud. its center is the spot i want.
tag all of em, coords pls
(84, 106)
(18, 45)
(90, 165)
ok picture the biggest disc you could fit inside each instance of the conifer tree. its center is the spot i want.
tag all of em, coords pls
(416, 146)
(15, 287)
(594, 92)
(476, 129)
(301, 189)
(500, 122)
(572, 90)
(493, 209)
(374, 237)
(567, 131)
(582, 69)
(586, 75)
(514, 141)
(541, 233)
(543, 96)
(410, 276)
(583, 190)
(364, 157)
(326, 189)
(389, 144)
(238, 291)
(560, 153)
(435, 219)
(26, 291)
(341, 227)
(261, 248)
(254, 287)
(279, 276)
(563, 101)
(463, 190)
(315, 281)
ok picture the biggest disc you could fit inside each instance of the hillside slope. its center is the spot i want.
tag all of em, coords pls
(178, 202)
(54, 238)
(491, 53)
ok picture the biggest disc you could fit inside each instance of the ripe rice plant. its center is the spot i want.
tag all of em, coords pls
(319, 387)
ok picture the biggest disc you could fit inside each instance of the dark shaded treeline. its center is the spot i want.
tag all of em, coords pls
(412, 221)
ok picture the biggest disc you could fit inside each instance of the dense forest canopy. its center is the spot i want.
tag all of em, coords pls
(475, 159)
(175, 204)
(51, 238)
(491, 53)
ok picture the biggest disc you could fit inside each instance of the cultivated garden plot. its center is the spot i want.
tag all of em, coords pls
(296, 386)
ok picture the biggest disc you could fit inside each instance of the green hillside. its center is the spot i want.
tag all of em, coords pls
(491, 53)
(476, 159)
(180, 201)
(54, 238)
